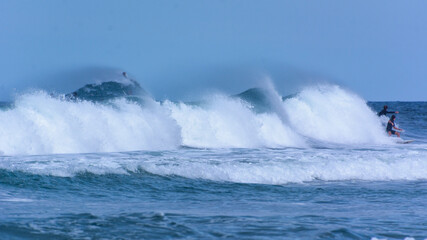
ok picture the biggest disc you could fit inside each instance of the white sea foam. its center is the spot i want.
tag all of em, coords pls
(301, 166)
(227, 122)
(262, 166)
(40, 124)
(330, 113)
(12, 199)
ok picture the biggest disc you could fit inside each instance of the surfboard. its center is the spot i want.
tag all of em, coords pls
(404, 141)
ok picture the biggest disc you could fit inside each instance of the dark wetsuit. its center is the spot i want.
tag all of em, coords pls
(384, 112)
(390, 127)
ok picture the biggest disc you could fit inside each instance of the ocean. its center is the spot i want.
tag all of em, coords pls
(110, 162)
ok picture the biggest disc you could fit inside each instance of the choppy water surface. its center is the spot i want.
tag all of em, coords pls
(316, 165)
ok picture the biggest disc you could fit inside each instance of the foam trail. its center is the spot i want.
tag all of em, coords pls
(264, 166)
(323, 166)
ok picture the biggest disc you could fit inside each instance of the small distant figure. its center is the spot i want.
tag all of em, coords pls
(125, 74)
(384, 111)
(391, 125)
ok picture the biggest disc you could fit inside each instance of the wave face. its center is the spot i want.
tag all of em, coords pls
(103, 91)
(106, 118)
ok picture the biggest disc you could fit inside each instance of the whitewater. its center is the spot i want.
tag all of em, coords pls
(109, 161)
(39, 123)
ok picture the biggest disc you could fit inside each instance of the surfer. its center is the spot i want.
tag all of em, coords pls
(384, 111)
(391, 125)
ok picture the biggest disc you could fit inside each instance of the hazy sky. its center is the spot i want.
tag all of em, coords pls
(378, 49)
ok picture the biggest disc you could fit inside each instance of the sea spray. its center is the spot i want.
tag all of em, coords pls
(41, 124)
(38, 123)
(227, 122)
(332, 114)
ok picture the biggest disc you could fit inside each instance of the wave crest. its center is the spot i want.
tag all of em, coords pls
(38, 123)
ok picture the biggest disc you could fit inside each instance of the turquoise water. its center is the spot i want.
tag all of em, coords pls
(135, 168)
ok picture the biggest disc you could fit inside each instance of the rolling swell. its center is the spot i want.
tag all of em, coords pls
(158, 225)
(262, 166)
(139, 206)
(104, 91)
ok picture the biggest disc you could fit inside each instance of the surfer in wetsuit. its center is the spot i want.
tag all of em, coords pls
(384, 111)
(390, 126)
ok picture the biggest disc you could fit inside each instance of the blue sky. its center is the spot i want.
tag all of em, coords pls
(378, 49)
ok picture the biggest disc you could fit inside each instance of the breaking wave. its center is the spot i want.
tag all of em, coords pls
(120, 116)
